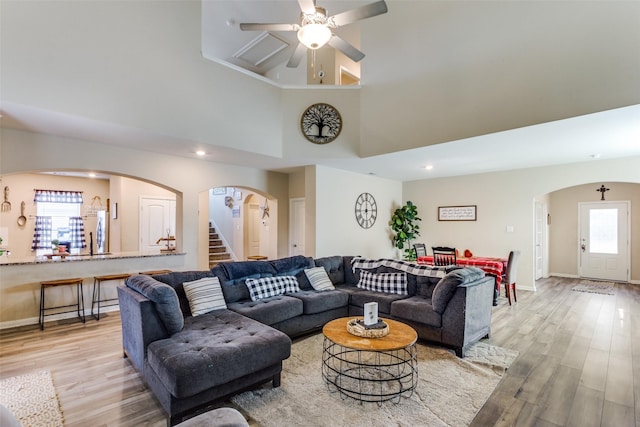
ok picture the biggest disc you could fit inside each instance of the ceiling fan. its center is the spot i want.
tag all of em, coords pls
(314, 30)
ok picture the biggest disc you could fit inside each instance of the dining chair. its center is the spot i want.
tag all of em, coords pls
(443, 256)
(421, 249)
(510, 276)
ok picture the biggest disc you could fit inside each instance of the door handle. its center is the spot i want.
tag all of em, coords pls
(583, 247)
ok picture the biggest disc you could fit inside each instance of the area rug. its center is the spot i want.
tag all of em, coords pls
(595, 287)
(450, 391)
(32, 399)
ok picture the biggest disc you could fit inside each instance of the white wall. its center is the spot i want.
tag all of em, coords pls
(505, 199)
(66, 56)
(337, 231)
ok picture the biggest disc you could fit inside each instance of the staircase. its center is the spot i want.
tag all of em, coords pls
(217, 250)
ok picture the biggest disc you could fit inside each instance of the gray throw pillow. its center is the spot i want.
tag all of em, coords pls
(447, 286)
(164, 298)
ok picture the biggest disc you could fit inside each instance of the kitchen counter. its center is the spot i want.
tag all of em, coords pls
(20, 279)
(6, 260)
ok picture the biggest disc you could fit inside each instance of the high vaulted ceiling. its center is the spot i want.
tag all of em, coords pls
(466, 86)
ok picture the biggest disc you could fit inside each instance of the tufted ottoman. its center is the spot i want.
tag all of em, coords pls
(213, 356)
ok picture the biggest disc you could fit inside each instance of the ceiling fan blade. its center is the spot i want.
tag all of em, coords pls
(307, 6)
(363, 12)
(346, 48)
(298, 54)
(269, 27)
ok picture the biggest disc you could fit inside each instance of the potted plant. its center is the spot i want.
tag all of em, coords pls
(404, 223)
(54, 245)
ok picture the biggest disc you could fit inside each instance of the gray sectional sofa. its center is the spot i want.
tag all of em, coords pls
(192, 361)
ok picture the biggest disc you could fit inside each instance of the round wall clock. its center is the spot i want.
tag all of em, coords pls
(366, 210)
(321, 123)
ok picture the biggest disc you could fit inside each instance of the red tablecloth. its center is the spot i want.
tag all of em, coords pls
(490, 265)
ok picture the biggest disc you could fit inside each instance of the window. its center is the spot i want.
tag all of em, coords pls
(603, 231)
(58, 218)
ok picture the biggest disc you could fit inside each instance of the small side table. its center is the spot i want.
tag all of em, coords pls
(257, 258)
(97, 288)
(79, 305)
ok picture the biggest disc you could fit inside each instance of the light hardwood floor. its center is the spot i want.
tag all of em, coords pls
(579, 363)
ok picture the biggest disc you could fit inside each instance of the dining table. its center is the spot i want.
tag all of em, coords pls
(494, 266)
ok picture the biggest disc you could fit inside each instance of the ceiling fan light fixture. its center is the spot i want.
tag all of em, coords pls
(314, 36)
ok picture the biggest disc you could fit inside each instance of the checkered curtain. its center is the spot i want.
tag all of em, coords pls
(42, 233)
(55, 196)
(76, 225)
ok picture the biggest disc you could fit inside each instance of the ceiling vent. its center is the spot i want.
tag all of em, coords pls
(261, 49)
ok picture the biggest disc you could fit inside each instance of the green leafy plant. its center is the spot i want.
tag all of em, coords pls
(404, 223)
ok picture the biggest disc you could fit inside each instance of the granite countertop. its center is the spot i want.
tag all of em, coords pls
(6, 260)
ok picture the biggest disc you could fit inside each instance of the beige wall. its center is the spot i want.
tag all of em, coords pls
(507, 199)
(337, 231)
(189, 179)
(563, 208)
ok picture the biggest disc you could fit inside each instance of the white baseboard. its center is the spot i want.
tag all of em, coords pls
(34, 320)
(568, 276)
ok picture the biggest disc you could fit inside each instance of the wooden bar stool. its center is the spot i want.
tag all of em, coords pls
(97, 288)
(257, 258)
(79, 305)
(152, 272)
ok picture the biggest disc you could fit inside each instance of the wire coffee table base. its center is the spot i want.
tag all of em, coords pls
(370, 375)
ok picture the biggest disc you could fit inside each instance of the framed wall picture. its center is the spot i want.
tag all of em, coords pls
(457, 213)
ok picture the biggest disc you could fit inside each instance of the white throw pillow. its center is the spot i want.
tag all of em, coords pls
(319, 278)
(266, 287)
(204, 295)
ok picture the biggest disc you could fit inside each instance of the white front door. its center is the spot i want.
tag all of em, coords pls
(604, 240)
(157, 220)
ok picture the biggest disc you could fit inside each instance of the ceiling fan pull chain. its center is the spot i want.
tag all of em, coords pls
(313, 62)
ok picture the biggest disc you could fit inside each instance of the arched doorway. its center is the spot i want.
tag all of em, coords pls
(246, 221)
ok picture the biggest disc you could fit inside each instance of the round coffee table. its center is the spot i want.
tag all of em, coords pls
(370, 369)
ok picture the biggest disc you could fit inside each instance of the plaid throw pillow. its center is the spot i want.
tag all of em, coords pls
(390, 283)
(266, 287)
(204, 295)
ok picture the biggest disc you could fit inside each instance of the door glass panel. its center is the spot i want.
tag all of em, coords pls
(603, 231)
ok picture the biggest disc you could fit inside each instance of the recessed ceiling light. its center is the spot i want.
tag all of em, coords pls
(92, 175)
(428, 167)
(595, 156)
(201, 152)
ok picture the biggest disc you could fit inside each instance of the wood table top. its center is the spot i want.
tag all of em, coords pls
(400, 336)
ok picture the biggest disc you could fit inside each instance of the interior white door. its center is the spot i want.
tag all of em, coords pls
(604, 240)
(296, 227)
(253, 229)
(539, 239)
(157, 220)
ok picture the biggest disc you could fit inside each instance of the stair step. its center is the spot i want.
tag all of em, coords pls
(217, 249)
(219, 256)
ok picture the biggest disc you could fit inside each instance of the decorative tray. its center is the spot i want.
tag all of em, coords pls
(358, 328)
